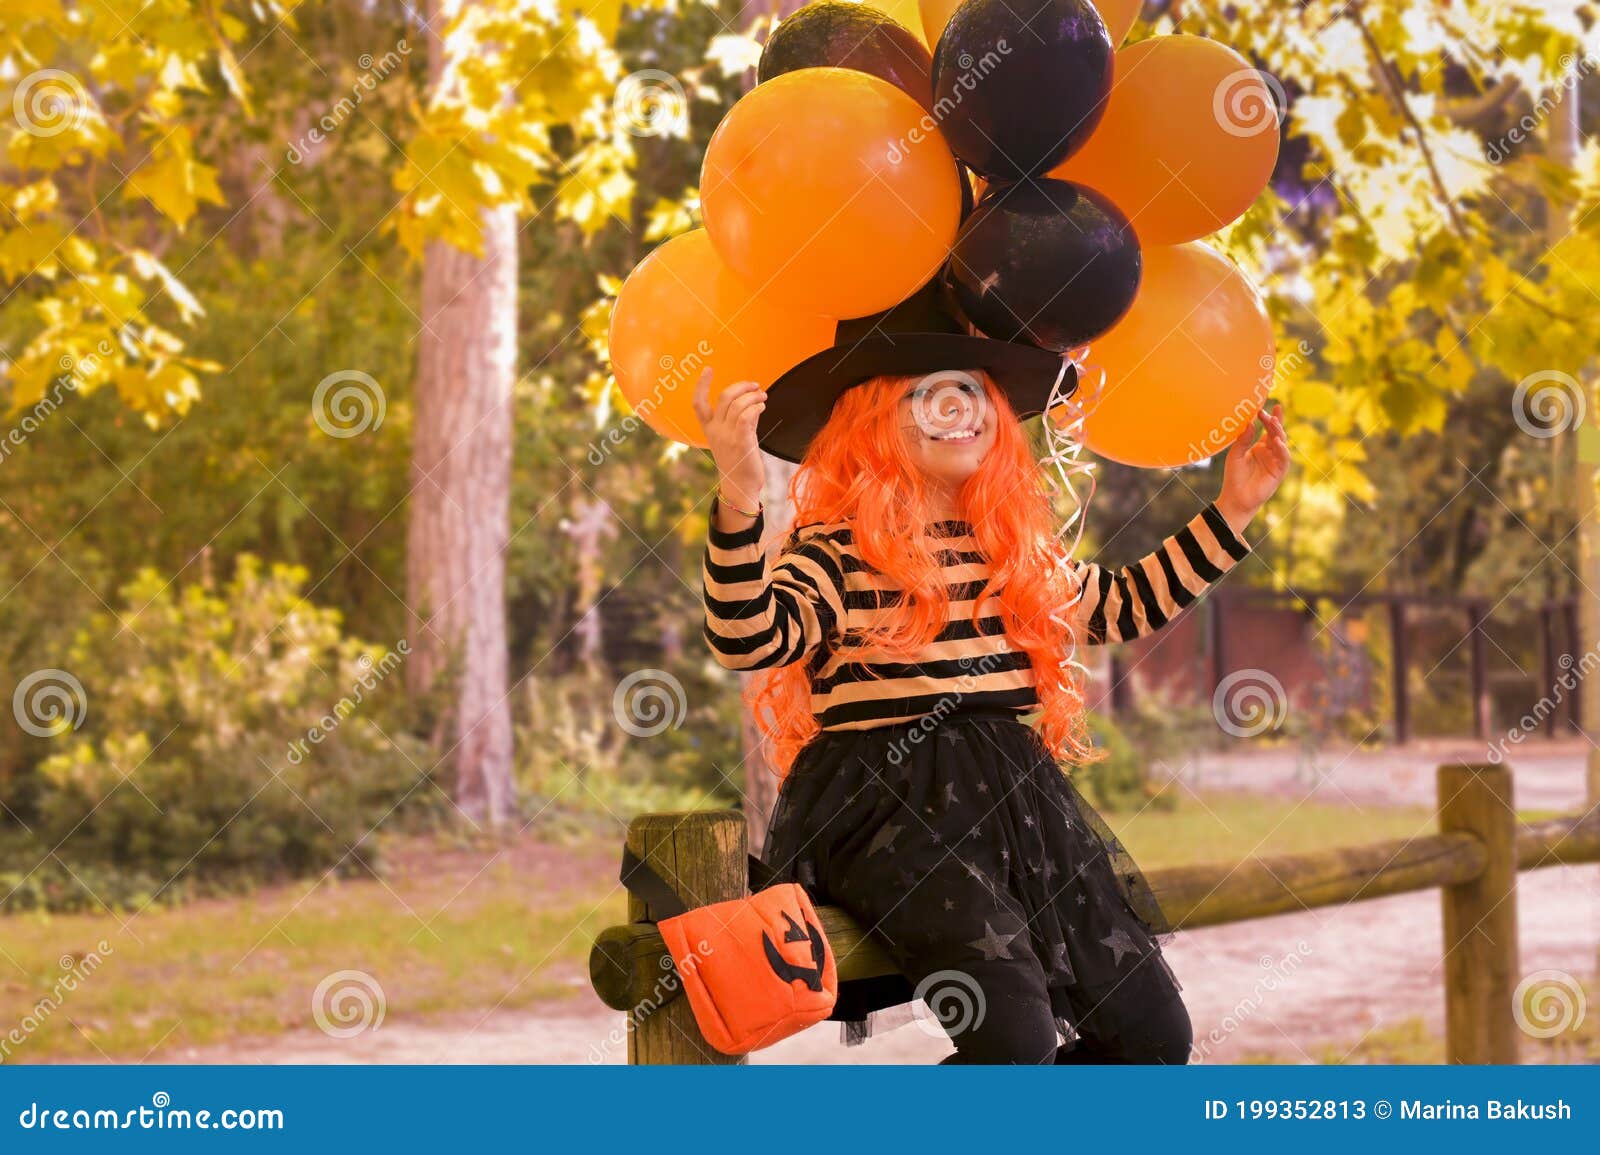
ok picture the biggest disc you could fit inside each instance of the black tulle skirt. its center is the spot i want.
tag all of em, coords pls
(959, 839)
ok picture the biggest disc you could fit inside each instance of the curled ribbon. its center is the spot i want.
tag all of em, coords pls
(1063, 433)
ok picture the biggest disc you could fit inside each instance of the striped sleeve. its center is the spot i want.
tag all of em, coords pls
(761, 613)
(1119, 605)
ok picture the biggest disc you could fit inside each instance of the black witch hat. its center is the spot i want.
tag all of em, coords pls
(922, 334)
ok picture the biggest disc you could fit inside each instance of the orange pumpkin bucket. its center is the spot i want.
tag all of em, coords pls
(755, 970)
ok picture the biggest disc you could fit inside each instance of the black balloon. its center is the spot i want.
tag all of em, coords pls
(1047, 262)
(850, 36)
(1018, 87)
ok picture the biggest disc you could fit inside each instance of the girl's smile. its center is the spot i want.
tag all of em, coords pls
(947, 421)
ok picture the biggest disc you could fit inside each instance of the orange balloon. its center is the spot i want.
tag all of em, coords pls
(680, 311)
(1188, 140)
(1187, 368)
(1119, 16)
(830, 191)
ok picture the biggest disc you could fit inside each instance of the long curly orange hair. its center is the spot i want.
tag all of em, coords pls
(858, 469)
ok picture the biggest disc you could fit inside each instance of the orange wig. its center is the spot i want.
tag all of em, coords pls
(859, 469)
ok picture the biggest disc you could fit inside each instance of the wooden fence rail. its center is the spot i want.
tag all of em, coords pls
(1474, 861)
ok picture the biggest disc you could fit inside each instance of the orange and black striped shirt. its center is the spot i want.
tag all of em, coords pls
(811, 602)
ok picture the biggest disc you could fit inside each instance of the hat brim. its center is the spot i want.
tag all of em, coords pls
(799, 402)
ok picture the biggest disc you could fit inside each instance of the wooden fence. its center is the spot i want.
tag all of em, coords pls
(1474, 861)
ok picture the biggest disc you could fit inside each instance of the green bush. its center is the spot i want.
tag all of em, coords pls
(580, 764)
(220, 738)
(1122, 780)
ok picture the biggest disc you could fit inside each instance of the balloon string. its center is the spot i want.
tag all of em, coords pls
(1064, 415)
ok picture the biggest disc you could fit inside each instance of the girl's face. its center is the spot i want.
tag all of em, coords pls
(948, 424)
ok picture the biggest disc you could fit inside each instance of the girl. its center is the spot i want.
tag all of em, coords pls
(918, 611)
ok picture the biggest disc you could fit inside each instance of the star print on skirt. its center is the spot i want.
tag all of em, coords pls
(962, 843)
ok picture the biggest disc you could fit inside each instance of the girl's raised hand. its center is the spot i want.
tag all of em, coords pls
(1254, 469)
(730, 428)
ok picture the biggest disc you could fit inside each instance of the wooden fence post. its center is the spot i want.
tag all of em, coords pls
(701, 855)
(1480, 918)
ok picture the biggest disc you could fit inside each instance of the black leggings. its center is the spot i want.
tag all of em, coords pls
(1141, 1020)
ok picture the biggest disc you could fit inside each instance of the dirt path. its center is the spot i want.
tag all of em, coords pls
(1287, 987)
(1282, 986)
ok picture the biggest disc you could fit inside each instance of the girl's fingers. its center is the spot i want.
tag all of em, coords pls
(744, 404)
(702, 396)
(733, 392)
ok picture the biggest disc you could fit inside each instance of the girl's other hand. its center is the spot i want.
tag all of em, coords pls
(730, 428)
(1254, 469)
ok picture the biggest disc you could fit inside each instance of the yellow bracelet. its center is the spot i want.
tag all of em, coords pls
(745, 512)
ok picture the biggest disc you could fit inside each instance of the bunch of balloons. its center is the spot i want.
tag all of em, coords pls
(840, 185)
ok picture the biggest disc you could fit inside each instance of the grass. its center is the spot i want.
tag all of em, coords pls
(458, 930)
(451, 931)
(1231, 827)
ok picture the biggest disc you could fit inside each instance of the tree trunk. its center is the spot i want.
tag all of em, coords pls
(461, 494)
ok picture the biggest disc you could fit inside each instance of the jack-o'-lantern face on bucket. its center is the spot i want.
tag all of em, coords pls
(756, 970)
(815, 949)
